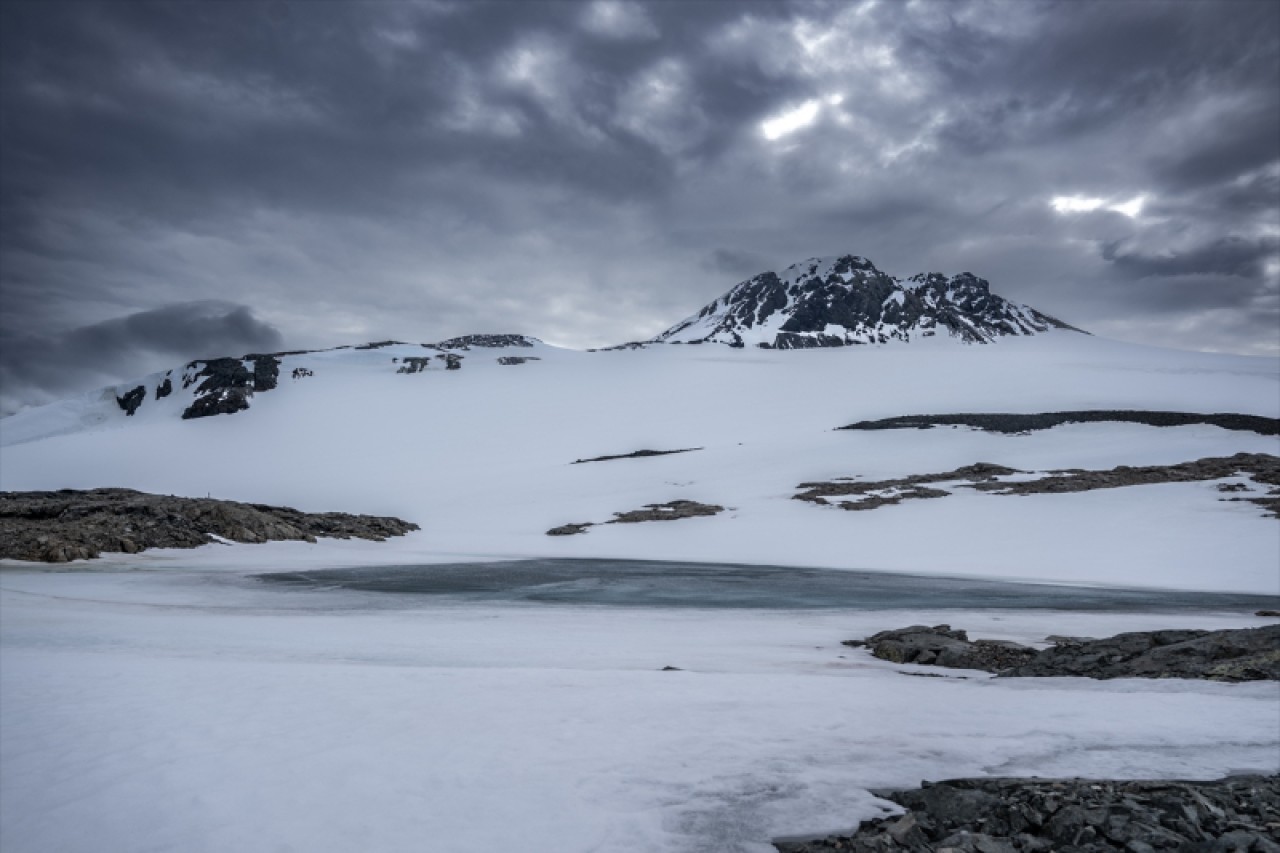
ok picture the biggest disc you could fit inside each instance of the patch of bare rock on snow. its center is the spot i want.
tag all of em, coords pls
(57, 527)
(1001, 815)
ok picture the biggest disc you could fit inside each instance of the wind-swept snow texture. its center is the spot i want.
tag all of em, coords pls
(481, 456)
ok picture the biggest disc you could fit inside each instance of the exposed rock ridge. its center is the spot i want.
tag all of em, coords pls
(1007, 815)
(55, 527)
(1017, 423)
(831, 302)
(1233, 654)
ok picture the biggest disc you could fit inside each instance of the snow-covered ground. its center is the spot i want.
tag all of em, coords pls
(165, 702)
(195, 711)
(480, 457)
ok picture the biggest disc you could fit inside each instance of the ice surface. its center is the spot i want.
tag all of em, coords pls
(203, 712)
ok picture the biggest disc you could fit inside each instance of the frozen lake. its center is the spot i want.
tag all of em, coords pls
(652, 583)
(523, 706)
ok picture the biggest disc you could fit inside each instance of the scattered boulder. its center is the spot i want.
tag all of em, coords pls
(452, 361)
(669, 511)
(516, 359)
(1007, 815)
(55, 527)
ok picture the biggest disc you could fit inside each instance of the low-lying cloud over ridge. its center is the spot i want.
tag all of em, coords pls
(589, 173)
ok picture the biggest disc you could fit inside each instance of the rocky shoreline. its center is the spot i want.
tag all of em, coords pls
(57, 527)
(1239, 654)
(1005, 815)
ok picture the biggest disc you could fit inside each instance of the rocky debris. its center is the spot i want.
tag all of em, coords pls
(55, 527)
(466, 342)
(942, 646)
(669, 511)
(516, 359)
(831, 302)
(132, 399)
(1262, 467)
(1240, 654)
(638, 454)
(896, 491)
(165, 388)
(302, 372)
(570, 529)
(1233, 487)
(1014, 424)
(1007, 815)
(451, 361)
(413, 364)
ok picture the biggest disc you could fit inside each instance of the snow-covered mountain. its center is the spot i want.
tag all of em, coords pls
(831, 302)
(475, 439)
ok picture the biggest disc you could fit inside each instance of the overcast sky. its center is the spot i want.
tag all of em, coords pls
(186, 180)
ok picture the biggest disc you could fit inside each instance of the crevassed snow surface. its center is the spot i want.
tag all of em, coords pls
(480, 457)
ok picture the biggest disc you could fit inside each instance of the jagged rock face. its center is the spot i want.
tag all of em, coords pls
(132, 399)
(466, 342)
(825, 302)
(228, 384)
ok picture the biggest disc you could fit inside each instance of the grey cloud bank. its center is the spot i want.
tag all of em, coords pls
(593, 172)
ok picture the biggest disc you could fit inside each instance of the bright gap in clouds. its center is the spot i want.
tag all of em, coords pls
(1084, 204)
(789, 122)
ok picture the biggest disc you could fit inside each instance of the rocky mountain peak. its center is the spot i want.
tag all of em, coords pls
(839, 301)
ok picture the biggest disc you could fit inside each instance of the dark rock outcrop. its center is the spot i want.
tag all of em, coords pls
(896, 491)
(1261, 467)
(164, 389)
(942, 646)
(832, 302)
(669, 511)
(509, 360)
(55, 527)
(466, 342)
(1244, 654)
(1002, 815)
(451, 361)
(414, 364)
(132, 399)
(1240, 654)
(637, 454)
(1013, 424)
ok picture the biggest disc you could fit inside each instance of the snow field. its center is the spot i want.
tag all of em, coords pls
(156, 711)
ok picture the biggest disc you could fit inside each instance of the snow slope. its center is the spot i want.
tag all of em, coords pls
(480, 456)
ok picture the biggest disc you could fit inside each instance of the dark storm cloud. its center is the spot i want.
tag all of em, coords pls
(38, 366)
(592, 172)
(1231, 256)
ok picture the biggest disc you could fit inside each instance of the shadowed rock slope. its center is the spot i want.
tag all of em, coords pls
(56, 527)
